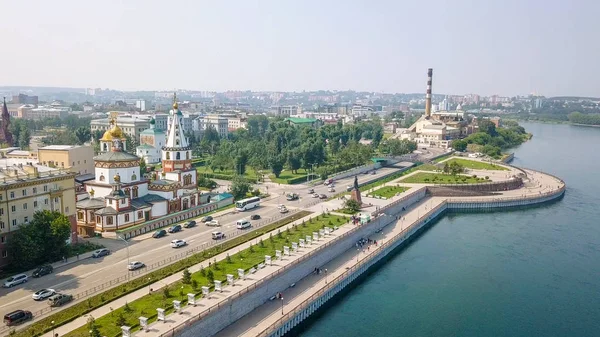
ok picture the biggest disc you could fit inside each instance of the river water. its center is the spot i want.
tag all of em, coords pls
(533, 272)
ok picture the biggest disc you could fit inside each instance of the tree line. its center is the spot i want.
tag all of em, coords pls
(491, 139)
(587, 119)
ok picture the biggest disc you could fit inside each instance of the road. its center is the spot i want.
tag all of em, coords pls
(90, 274)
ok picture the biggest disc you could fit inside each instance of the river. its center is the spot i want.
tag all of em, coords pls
(533, 272)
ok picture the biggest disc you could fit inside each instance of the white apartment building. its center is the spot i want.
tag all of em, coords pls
(286, 111)
(219, 123)
(132, 126)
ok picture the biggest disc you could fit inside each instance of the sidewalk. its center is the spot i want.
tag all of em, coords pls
(106, 309)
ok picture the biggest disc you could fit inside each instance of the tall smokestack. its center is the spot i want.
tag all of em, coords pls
(428, 96)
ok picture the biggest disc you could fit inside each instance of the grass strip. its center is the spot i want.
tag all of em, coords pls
(442, 178)
(476, 165)
(71, 313)
(388, 191)
(110, 325)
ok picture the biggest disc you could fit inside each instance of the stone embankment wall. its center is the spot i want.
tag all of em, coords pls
(475, 189)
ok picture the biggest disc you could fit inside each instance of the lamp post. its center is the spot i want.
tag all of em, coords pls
(149, 289)
(282, 305)
(325, 275)
(52, 328)
(127, 245)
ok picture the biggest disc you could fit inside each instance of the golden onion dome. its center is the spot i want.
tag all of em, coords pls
(175, 106)
(117, 178)
(114, 133)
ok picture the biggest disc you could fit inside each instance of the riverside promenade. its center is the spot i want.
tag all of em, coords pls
(267, 318)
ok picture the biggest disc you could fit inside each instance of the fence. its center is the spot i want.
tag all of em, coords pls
(132, 274)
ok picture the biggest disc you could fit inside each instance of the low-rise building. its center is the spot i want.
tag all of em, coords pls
(131, 126)
(312, 122)
(27, 188)
(74, 158)
(217, 122)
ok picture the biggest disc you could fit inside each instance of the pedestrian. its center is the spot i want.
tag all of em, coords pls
(64, 259)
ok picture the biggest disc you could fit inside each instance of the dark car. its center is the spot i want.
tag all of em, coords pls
(254, 217)
(100, 253)
(207, 218)
(322, 196)
(190, 224)
(17, 316)
(43, 270)
(175, 229)
(159, 233)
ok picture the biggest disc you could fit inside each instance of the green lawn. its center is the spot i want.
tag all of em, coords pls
(476, 165)
(437, 160)
(440, 178)
(218, 174)
(388, 191)
(288, 175)
(425, 167)
(109, 325)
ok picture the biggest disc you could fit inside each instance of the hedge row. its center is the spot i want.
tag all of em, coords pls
(69, 314)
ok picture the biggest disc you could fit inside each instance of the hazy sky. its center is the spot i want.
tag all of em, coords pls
(504, 47)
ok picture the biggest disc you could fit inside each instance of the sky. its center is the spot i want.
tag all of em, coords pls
(504, 47)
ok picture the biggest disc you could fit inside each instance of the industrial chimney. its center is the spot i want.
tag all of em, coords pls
(428, 96)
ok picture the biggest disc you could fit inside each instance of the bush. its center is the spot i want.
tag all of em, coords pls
(210, 276)
(202, 271)
(187, 277)
(194, 284)
(261, 243)
(228, 259)
(487, 177)
(166, 292)
(474, 176)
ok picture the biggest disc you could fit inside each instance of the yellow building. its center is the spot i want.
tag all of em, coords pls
(77, 159)
(26, 189)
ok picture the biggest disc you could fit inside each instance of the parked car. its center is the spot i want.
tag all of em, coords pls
(255, 217)
(373, 172)
(280, 206)
(15, 280)
(100, 253)
(175, 229)
(43, 270)
(43, 294)
(213, 223)
(283, 210)
(292, 196)
(331, 189)
(17, 316)
(311, 191)
(59, 299)
(159, 233)
(349, 188)
(218, 235)
(178, 243)
(206, 218)
(322, 196)
(316, 195)
(135, 265)
(190, 224)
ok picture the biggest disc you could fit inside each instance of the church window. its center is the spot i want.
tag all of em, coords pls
(178, 156)
(135, 192)
(80, 215)
(168, 155)
(187, 154)
(126, 217)
(177, 142)
(133, 177)
(177, 134)
(128, 192)
(109, 220)
(102, 178)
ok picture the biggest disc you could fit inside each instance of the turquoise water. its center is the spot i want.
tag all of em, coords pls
(533, 272)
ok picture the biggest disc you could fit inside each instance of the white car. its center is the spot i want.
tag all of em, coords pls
(283, 210)
(135, 265)
(316, 195)
(15, 280)
(178, 243)
(43, 294)
(213, 223)
(331, 189)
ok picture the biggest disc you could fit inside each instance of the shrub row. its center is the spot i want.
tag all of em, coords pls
(69, 314)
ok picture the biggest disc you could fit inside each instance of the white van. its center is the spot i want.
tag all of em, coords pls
(218, 235)
(243, 224)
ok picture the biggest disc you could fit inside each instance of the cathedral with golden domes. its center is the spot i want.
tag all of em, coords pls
(120, 196)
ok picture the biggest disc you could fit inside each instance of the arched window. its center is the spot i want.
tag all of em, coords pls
(177, 142)
(187, 154)
(168, 155)
(101, 177)
(127, 192)
(133, 177)
(178, 156)
(135, 192)
(109, 220)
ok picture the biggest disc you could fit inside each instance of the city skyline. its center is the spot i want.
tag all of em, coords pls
(504, 48)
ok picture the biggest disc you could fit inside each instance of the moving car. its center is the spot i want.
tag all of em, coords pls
(175, 229)
(349, 188)
(43, 270)
(243, 224)
(292, 196)
(100, 253)
(135, 265)
(322, 196)
(283, 210)
(15, 280)
(206, 218)
(159, 233)
(178, 243)
(218, 235)
(17, 316)
(331, 189)
(190, 224)
(213, 223)
(254, 217)
(43, 294)
(59, 299)
(316, 195)
(328, 181)
(374, 172)
(311, 191)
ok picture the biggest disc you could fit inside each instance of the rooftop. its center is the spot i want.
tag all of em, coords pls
(298, 120)
(59, 147)
(113, 156)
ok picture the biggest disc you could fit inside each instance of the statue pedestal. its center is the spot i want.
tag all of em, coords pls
(355, 195)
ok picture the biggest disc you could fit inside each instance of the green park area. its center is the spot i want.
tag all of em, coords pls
(442, 178)
(388, 191)
(476, 165)
(110, 325)
(108, 322)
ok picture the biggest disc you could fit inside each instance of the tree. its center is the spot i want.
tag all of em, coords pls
(210, 276)
(97, 134)
(143, 168)
(276, 163)
(487, 126)
(293, 161)
(187, 277)
(459, 145)
(24, 137)
(83, 134)
(130, 143)
(40, 241)
(239, 187)
(352, 205)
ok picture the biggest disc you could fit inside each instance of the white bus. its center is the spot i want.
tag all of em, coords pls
(246, 204)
